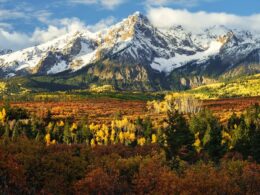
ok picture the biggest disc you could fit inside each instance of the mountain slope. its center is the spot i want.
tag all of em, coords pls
(247, 86)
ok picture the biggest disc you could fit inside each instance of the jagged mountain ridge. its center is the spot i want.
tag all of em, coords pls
(5, 51)
(134, 54)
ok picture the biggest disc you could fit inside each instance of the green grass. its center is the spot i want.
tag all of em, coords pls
(83, 94)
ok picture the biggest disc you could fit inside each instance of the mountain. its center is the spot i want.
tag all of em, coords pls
(238, 56)
(5, 51)
(135, 55)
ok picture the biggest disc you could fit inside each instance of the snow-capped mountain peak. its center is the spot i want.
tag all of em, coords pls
(133, 41)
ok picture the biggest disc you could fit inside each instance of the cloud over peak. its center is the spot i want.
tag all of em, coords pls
(106, 4)
(164, 17)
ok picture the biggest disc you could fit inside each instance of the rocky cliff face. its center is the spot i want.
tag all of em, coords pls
(133, 54)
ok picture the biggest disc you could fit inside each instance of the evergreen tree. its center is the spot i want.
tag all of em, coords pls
(214, 147)
(255, 145)
(178, 137)
(209, 132)
(233, 122)
(241, 139)
(148, 128)
(245, 138)
(252, 120)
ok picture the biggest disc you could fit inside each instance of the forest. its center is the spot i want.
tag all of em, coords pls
(178, 147)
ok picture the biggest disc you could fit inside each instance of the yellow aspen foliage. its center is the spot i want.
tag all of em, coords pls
(154, 138)
(112, 136)
(124, 122)
(2, 116)
(93, 128)
(92, 143)
(60, 124)
(226, 138)
(113, 125)
(73, 127)
(121, 137)
(150, 105)
(48, 139)
(131, 127)
(165, 125)
(126, 135)
(105, 129)
(141, 141)
(49, 127)
(132, 137)
(197, 143)
(100, 135)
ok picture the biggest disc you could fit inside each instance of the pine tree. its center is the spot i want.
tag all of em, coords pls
(209, 134)
(147, 128)
(178, 137)
(214, 146)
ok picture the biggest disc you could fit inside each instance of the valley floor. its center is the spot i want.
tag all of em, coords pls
(103, 110)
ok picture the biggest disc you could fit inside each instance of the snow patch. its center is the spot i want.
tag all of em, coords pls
(85, 60)
(59, 67)
(10, 75)
(167, 65)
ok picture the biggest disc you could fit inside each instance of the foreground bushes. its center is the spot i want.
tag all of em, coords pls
(29, 167)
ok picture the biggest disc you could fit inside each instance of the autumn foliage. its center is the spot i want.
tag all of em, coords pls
(184, 152)
(27, 167)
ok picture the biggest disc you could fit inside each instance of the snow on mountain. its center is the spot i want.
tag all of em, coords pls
(163, 65)
(133, 41)
(63, 47)
(5, 51)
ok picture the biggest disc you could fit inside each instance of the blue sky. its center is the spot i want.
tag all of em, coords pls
(24, 19)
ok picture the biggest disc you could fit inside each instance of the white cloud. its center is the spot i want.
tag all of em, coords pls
(167, 2)
(11, 14)
(13, 40)
(163, 17)
(17, 40)
(184, 3)
(107, 4)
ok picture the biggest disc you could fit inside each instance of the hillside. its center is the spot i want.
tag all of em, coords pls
(246, 86)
